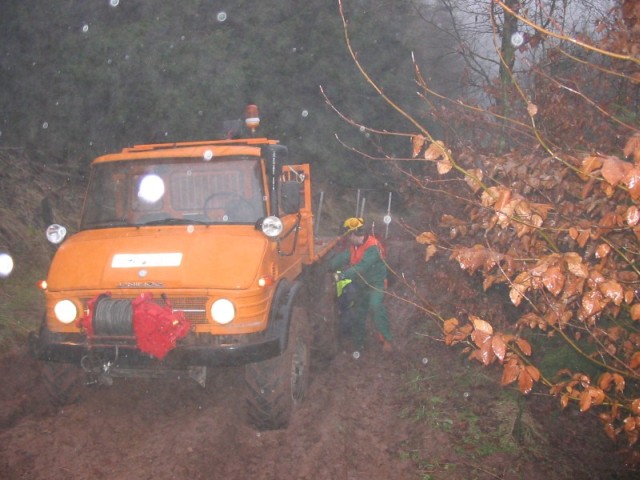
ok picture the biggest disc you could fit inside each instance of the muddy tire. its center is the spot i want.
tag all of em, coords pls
(325, 322)
(63, 383)
(277, 385)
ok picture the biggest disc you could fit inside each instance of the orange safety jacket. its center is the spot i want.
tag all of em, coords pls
(357, 252)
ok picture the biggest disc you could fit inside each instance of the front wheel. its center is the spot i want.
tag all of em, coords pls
(276, 386)
(63, 383)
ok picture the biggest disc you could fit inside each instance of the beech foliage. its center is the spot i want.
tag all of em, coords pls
(541, 199)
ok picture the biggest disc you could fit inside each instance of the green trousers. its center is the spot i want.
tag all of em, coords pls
(371, 300)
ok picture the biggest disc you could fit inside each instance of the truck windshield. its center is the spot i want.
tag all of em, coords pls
(174, 191)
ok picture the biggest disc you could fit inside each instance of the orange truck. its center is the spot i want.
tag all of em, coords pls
(189, 257)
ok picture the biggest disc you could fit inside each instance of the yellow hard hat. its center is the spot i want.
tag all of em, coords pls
(353, 224)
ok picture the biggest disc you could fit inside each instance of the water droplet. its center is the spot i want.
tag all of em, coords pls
(356, 355)
(465, 394)
(114, 3)
(425, 360)
(305, 113)
(208, 155)
(45, 125)
(190, 228)
(221, 17)
(362, 129)
(85, 28)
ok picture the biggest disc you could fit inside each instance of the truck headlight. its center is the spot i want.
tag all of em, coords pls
(223, 311)
(272, 226)
(65, 311)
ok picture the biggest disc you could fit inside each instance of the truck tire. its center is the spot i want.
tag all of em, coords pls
(277, 385)
(63, 383)
(325, 325)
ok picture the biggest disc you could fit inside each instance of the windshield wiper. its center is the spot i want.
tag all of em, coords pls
(173, 221)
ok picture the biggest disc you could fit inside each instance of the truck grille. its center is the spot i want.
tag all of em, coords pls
(193, 308)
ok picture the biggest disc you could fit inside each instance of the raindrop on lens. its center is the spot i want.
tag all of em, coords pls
(45, 125)
(6, 264)
(465, 394)
(356, 355)
(85, 28)
(305, 113)
(114, 3)
(221, 17)
(208, 155)
(425, 360)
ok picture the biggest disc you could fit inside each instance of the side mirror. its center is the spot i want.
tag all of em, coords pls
(289, 197)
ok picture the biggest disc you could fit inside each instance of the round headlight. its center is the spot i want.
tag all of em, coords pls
(272, 226)
(65, 311)
(56, 233)
(223, 311)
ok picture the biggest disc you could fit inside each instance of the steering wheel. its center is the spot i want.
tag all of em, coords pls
(230, 203)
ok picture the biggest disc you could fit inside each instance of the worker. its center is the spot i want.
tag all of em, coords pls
(367, 269)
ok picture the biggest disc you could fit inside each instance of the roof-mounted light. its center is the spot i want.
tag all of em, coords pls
(251, 117)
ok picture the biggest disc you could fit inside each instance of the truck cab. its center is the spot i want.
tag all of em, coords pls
(191, 256)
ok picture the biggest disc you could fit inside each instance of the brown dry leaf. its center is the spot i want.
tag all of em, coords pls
(534, 372)
(610, 431)
(481, 325)
(450, 325)
(589, 164)
(510, 373)
(430, 252)
(583, 237)
(603, 250)
(532, 109)
(427, 238)
(444, 166)
(516, 293)
(553, 279)
(634, 362)
(524, 346)
(613, 291)
(417, 142)
(619, 381)
(632, 181)
(634, 312)
(597, 395)
(585, 401)
(435, 151)
(499, 346)
(632, 148)
(605, 381)
(635, 406)
(575, 265)
(629, 424)
(525, 382)
(470, 258)
(490, 196)
(632, 216)
(474, 179)
(614, 169)
(592, 303)
(573, 233)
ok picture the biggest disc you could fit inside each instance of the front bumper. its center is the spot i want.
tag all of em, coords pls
(73, 347)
